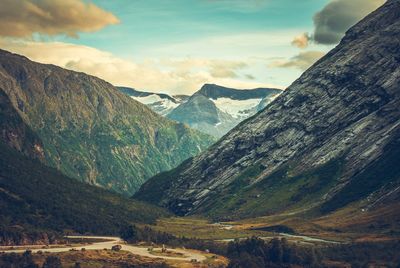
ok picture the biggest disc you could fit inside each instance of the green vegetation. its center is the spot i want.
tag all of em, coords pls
(52, 262)
(17, 260)
(35, 198)
(251, 252)
(385, 171)
(202, 228)
(279, 191)
(365, 254)
(255, 252)
(153, 190)
(92, 132)
(14, 132)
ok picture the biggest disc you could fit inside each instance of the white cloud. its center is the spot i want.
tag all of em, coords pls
(301, 41)
(302, 61)
(177, 76)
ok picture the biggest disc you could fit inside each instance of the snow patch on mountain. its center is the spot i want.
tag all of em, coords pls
(236, 108)
(160, 105)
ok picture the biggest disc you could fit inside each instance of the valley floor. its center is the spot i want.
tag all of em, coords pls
(99, 252)
(350, 225)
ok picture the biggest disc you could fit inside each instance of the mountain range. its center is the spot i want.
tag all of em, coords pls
(330, 141)
(213, 109)
(88, 129)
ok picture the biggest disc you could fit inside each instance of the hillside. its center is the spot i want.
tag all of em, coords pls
(329, 141)
(35, 198)
(91, 131)
(215, 109)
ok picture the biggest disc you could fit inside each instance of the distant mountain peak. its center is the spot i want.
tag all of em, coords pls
(214, 91)
(213, 109)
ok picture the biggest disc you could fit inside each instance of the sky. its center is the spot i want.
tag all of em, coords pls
(176, 46)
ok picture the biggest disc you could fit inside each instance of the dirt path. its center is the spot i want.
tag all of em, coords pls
(188, 255)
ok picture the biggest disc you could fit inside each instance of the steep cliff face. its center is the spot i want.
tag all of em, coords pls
(91, 131)
(330, 139)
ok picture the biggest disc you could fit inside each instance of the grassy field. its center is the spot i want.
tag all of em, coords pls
(350, 224)
(203, 229)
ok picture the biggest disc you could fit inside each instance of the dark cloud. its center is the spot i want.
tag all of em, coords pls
(22, 18)
(338, 16)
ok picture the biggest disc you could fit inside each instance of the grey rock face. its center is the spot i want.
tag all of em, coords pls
(346, 105)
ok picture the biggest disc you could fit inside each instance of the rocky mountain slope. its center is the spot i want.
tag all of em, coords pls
(215, 109)
(158, 102)
(331, 140)
(91, 131)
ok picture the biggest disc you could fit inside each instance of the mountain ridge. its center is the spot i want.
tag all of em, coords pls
(215, 91)
(308, 145)
(90, 130)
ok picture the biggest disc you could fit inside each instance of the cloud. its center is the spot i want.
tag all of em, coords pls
(22, 18)
(249, 76)
(174, 76)
(338, 16)
(301, 41)
(217, 68)
(225, 69)
(301, 61)
(332, 22)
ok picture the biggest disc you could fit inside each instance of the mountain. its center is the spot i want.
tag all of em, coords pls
(158, 102)
(215, 109)
(35, 198)
(330, 141)
(91, 131)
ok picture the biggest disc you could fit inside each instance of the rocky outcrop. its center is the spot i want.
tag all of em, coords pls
(89, 130)
(329, 135)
